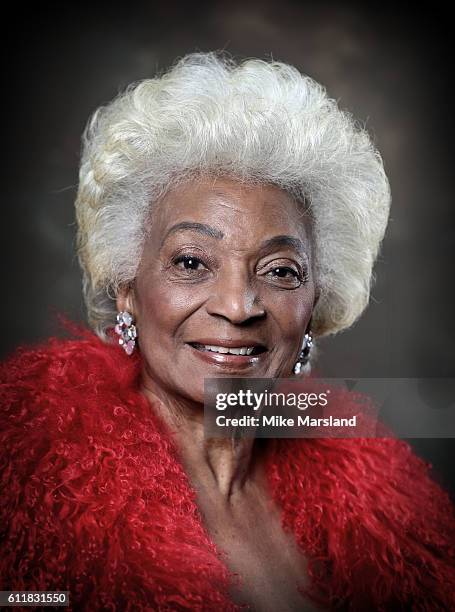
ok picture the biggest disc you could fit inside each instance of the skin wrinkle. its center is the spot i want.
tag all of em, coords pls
(201, 227)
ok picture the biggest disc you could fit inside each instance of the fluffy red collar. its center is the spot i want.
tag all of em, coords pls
(95, 500)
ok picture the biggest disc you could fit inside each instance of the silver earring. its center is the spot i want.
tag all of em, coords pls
(304, 356)
(127, 331)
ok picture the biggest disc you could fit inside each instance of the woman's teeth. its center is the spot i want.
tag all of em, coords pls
(241, 350)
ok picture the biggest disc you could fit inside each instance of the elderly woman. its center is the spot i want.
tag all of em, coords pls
(228, 215)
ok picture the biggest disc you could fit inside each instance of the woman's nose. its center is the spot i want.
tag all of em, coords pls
(235, 298)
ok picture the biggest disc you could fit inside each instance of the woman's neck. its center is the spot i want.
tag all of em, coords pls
(218, 467)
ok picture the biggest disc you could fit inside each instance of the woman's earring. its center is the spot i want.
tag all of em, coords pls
(304, 356)
(127, 331)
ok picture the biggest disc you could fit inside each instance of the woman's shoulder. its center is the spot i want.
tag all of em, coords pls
(375, 516)
(37, 377)
(61, 360)
(62, 394)
(379, 484)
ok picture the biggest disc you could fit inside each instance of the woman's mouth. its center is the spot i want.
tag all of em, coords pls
(225, 353)
(229, 350)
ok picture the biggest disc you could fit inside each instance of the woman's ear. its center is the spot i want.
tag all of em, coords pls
(125, 299)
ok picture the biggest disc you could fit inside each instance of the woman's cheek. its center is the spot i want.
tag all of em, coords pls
(169, 302)
(292, 309)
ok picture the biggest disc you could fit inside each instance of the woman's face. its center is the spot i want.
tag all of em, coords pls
(226, 269)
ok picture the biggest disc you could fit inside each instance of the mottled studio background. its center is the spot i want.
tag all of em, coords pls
(390, 67)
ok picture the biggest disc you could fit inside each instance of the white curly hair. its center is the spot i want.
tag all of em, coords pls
(256, 121)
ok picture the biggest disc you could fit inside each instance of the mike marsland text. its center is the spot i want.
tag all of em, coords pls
(276, 420)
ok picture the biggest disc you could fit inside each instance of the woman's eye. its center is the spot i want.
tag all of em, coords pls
(283, 272)
(285, 276)
(189, 263)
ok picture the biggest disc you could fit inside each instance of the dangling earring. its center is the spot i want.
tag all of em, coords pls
(127, 331)
(304, 356)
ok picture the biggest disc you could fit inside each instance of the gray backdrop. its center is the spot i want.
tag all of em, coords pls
(389, 67)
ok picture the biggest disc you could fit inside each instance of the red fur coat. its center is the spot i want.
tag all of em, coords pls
(94, 500)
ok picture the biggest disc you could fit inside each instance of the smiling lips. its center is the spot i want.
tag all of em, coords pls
(228, 351)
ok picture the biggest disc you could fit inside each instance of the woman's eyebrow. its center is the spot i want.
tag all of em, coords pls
(202, 228)
(284, 241)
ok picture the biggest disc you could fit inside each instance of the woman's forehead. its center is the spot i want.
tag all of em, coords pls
(230, 206)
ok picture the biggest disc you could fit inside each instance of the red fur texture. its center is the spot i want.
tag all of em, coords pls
(94, 500)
